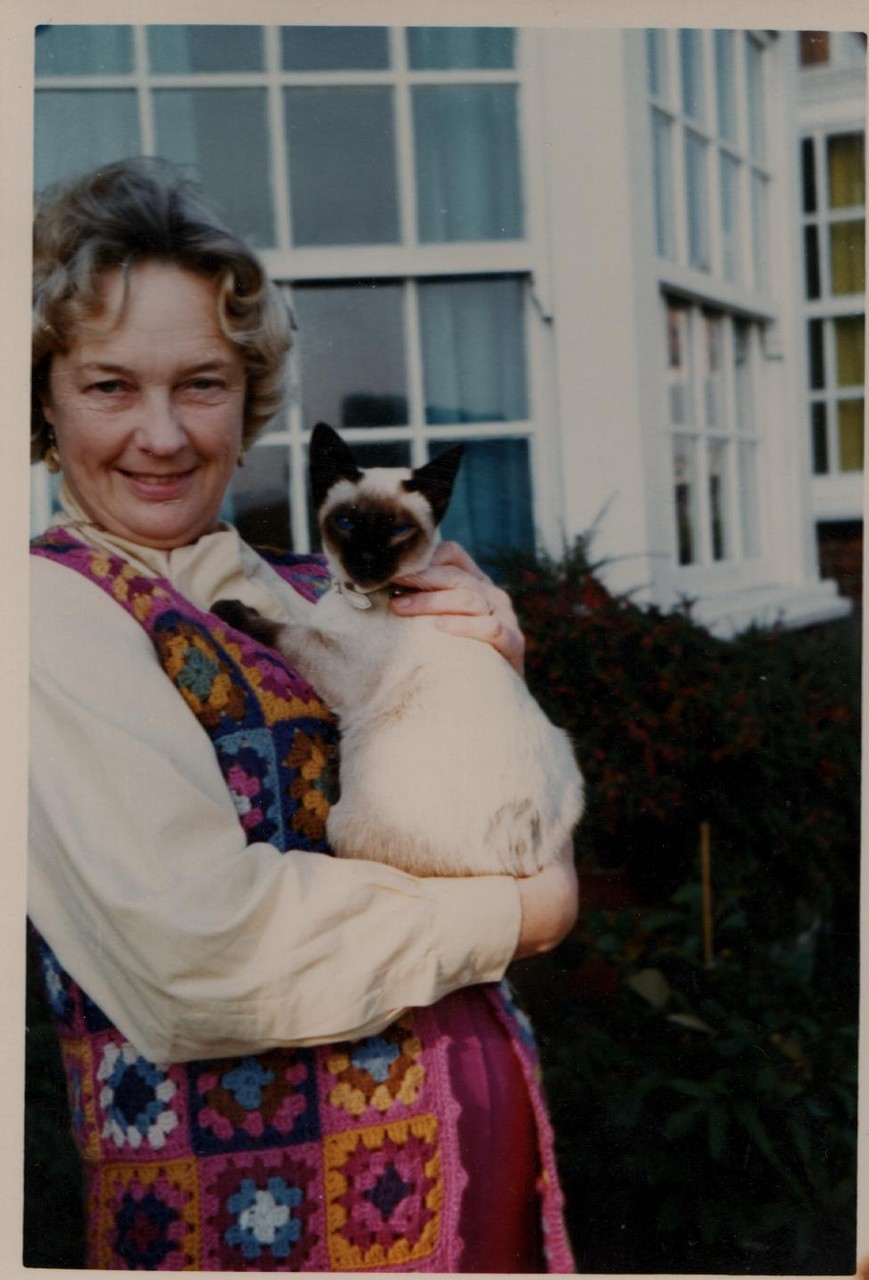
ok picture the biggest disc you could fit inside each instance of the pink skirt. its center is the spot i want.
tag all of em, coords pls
(500, 1217)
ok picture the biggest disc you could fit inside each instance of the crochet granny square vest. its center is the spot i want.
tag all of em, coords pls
(340, 1158)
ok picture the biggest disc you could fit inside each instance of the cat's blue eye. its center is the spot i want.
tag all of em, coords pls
(344, 524)
(401, 531)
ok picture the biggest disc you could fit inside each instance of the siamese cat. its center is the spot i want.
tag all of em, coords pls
(448, 765)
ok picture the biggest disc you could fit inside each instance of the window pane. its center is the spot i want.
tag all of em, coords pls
(754, 84)
(850, 435)
(847, 257)
(467, 162)
(816, 355)
(743, 393)
(491, 503)
(850, 354)
(205, 48)
(713, 373)
(820, 448)
(84, 50)
(697, 195)
(730, 238)
(258, 500)
(342, 171)
(690, 58)
(334, 49)
(748, 500)
(351, 354)
(460, 48)
(810, 195)
(725, 85)
(78, 130)
(846, 170)
(656, 61)
(759, 231)
(473, 350)
(679, 365)
(812, 263)
(718, 501)
(662, 135)
(685, 496)
(223, 134)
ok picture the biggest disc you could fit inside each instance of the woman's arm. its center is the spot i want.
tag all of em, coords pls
(195, 945)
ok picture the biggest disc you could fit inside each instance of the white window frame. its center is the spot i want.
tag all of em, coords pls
(745, 298)
(408, 261)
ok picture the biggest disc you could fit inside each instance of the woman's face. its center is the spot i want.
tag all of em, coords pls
(147, 407)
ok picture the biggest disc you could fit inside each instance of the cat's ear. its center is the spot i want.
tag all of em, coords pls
(435, 480)
(329, 460)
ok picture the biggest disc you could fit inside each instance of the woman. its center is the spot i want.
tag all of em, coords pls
(275, 1059)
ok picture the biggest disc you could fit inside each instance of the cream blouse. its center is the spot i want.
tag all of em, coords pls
(139, 876)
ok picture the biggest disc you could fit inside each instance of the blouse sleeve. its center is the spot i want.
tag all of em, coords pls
(193, 943)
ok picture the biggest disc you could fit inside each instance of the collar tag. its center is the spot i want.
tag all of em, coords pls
(358, 599)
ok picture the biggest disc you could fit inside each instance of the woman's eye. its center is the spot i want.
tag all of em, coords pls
(108, 387)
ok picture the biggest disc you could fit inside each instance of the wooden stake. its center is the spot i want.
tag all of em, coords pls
(706, 882)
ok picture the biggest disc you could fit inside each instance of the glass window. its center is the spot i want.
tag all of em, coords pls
(460, 48)
(679, 364)
(725, 85)
(718, 500)
(847, 257)
(810, 196)
(223, 134)
(86, 50)
(491, 503)
(820, 449)
(691, 62)
(697, 197)
(816, 354)
(342, 166)
(258, 500)
(850, 415)
(351, 353)
(656, 61)
(713, 373)
(754, 84)
(846, 170)
(204, 48)
(850, 351)
(729, 195)
(467, 162)
(662, 132)
(743, 389)
(78, 130)
(685, 495)
(473, 350)
(812, 262)
(749, 504)
(334, 48)
(759, 230)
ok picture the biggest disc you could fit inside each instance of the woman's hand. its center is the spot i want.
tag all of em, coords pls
(550, 905)
(465, 601)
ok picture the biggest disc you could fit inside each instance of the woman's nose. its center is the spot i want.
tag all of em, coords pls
(161, 430)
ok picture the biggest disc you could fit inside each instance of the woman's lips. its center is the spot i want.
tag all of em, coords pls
(157, 487)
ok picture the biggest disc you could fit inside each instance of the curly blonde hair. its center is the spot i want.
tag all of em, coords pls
(130, 212)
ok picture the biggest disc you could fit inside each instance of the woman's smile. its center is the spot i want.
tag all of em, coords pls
(147, 407)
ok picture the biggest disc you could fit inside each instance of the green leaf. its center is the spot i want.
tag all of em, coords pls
(683, 1120)
(651, 985)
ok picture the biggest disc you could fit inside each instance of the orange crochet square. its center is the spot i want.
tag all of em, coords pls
(384, 1194)
(146, 1216)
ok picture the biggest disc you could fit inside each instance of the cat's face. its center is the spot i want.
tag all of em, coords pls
(381, 523)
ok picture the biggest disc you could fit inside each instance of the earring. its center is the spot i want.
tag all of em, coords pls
(51, 457)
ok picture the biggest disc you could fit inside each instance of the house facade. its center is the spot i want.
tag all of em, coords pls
(583, 253)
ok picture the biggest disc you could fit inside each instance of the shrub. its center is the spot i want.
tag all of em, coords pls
(705, 1115)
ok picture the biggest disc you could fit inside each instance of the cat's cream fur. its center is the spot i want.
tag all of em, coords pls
(448, 765)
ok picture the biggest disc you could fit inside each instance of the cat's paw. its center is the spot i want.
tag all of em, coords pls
(242, 617)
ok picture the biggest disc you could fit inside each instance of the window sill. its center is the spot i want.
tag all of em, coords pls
(726, 616)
